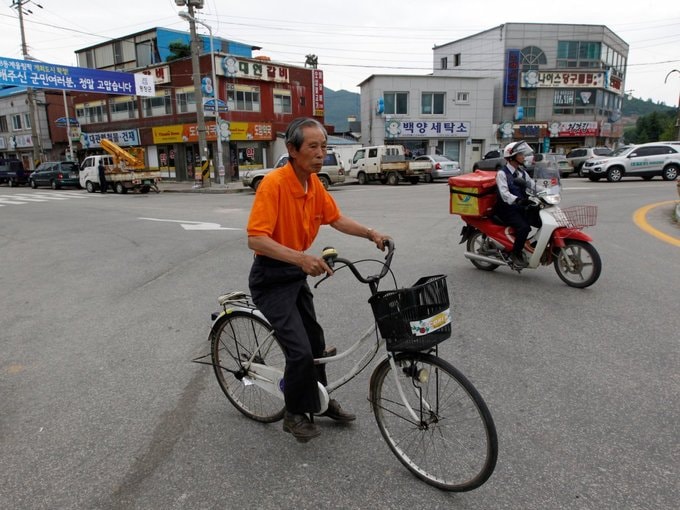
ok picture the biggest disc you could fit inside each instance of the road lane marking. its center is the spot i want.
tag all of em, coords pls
(194, 225)
(640, 219)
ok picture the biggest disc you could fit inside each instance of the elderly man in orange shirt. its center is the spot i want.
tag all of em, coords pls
(290, 205)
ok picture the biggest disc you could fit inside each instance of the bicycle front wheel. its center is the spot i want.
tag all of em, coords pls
(451, 443)
(234, 339)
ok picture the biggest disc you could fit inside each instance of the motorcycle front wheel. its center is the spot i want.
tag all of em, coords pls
(578, 264)
(479, 243)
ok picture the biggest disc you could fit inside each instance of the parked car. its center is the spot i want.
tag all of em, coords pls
(576, 157)
(332, 171)
(55, 174)
(442, 167)
(12, 172)
(558, 160)
(646, 160)
(494, 160)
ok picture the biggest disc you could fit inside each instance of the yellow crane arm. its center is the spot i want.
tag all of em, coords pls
(131, 161)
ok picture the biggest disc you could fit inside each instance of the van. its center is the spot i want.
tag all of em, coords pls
(12, 172)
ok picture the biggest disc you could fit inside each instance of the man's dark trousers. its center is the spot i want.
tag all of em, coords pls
(281, 293)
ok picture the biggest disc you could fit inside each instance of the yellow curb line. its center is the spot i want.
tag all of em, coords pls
(640, 219)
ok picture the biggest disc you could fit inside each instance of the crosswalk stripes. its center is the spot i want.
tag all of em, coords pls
(38, 196)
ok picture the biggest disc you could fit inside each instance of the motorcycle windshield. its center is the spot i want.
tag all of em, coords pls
(547, 176)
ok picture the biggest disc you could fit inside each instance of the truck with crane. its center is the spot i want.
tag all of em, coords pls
(125, 170)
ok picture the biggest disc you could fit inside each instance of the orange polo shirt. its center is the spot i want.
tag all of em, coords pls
(283, 211)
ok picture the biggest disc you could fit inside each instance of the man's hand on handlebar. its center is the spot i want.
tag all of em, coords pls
(378, 238)
(315, 266)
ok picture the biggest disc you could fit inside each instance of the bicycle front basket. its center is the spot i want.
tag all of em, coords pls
(414, 318)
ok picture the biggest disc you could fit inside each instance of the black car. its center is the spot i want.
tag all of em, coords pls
(55, 174)
(12, 172)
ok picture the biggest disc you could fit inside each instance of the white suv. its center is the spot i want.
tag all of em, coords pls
(576, 157)
(646, 160)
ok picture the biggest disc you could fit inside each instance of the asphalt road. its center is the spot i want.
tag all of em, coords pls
(106, 299)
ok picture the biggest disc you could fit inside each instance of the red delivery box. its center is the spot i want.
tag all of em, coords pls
(473, 194)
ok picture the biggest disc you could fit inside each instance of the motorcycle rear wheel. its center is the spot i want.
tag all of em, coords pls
(578, 264)
(479, 243)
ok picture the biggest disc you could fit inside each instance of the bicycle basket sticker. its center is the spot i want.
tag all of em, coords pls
(425, 326)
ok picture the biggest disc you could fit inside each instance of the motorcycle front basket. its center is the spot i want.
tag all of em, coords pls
(578, 216)
(414, 318)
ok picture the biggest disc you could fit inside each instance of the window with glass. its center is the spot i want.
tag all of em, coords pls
(27, 120)
(432, 103)
(16, 122)
(158, 105)
(3, 124)
(243, 98)
(90, 113)
(144, 52)
(456, 60)
(579, 54)
(123, 108)
(532, 58)
(444, 62)
(462, 97)
(527, 101)
(396, 103)
(282, 101)
(186, 100)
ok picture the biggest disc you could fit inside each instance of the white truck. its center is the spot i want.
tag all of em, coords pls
(387, 164)
(125, 170)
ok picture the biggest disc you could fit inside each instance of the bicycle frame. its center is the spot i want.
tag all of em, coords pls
(270, 379)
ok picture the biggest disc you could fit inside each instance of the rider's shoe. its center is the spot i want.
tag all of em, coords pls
(300, 426)
(518, 260)
(335, 412)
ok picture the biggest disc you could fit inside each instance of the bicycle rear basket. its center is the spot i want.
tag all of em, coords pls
(414, 318)
(578, 216)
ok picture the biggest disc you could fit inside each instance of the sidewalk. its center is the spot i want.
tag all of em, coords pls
(188, 187)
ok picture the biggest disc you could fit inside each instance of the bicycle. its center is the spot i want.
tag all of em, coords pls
(430, 415)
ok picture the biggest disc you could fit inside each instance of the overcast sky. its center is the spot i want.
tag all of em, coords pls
(354, 39)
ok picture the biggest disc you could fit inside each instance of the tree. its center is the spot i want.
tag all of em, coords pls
(178, 50)
(653, 127)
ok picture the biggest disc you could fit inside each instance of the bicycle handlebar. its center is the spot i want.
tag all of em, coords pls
(330, 255)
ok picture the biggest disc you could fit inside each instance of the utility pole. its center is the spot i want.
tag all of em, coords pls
(198, 94)
(677, 122)
(30, 93)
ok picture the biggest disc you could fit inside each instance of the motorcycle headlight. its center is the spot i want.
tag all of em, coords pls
(552, 199)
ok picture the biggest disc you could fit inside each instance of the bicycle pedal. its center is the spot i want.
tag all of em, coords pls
(329, 351)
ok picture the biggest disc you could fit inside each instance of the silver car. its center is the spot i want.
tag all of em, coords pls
(332, 171)
(442, 167)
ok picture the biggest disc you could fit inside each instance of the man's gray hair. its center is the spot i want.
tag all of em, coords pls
(294, 135)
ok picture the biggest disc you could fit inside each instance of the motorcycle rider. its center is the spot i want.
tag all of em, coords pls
(511, 206)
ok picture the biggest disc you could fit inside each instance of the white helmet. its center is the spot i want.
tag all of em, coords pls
(512, 149)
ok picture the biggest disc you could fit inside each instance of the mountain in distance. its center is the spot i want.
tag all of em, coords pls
(338, 106)
(341, 104)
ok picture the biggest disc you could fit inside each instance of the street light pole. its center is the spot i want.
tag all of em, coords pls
(30, 93)
(216, 94)
(200, 117)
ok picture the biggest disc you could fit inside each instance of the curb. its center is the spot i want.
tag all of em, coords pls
(209, 190)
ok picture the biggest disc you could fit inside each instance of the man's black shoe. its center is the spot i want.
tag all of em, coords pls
(518, 260)
(300, 426)
(335, 412)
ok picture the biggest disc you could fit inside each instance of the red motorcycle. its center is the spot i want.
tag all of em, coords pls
(559, 241)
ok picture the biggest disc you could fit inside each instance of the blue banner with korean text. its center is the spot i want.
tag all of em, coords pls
(41, 75)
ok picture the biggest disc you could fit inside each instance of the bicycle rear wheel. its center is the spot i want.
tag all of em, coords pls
(234, 339)
(453, 444)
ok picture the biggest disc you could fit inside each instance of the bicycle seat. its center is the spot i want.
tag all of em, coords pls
(231, 297)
